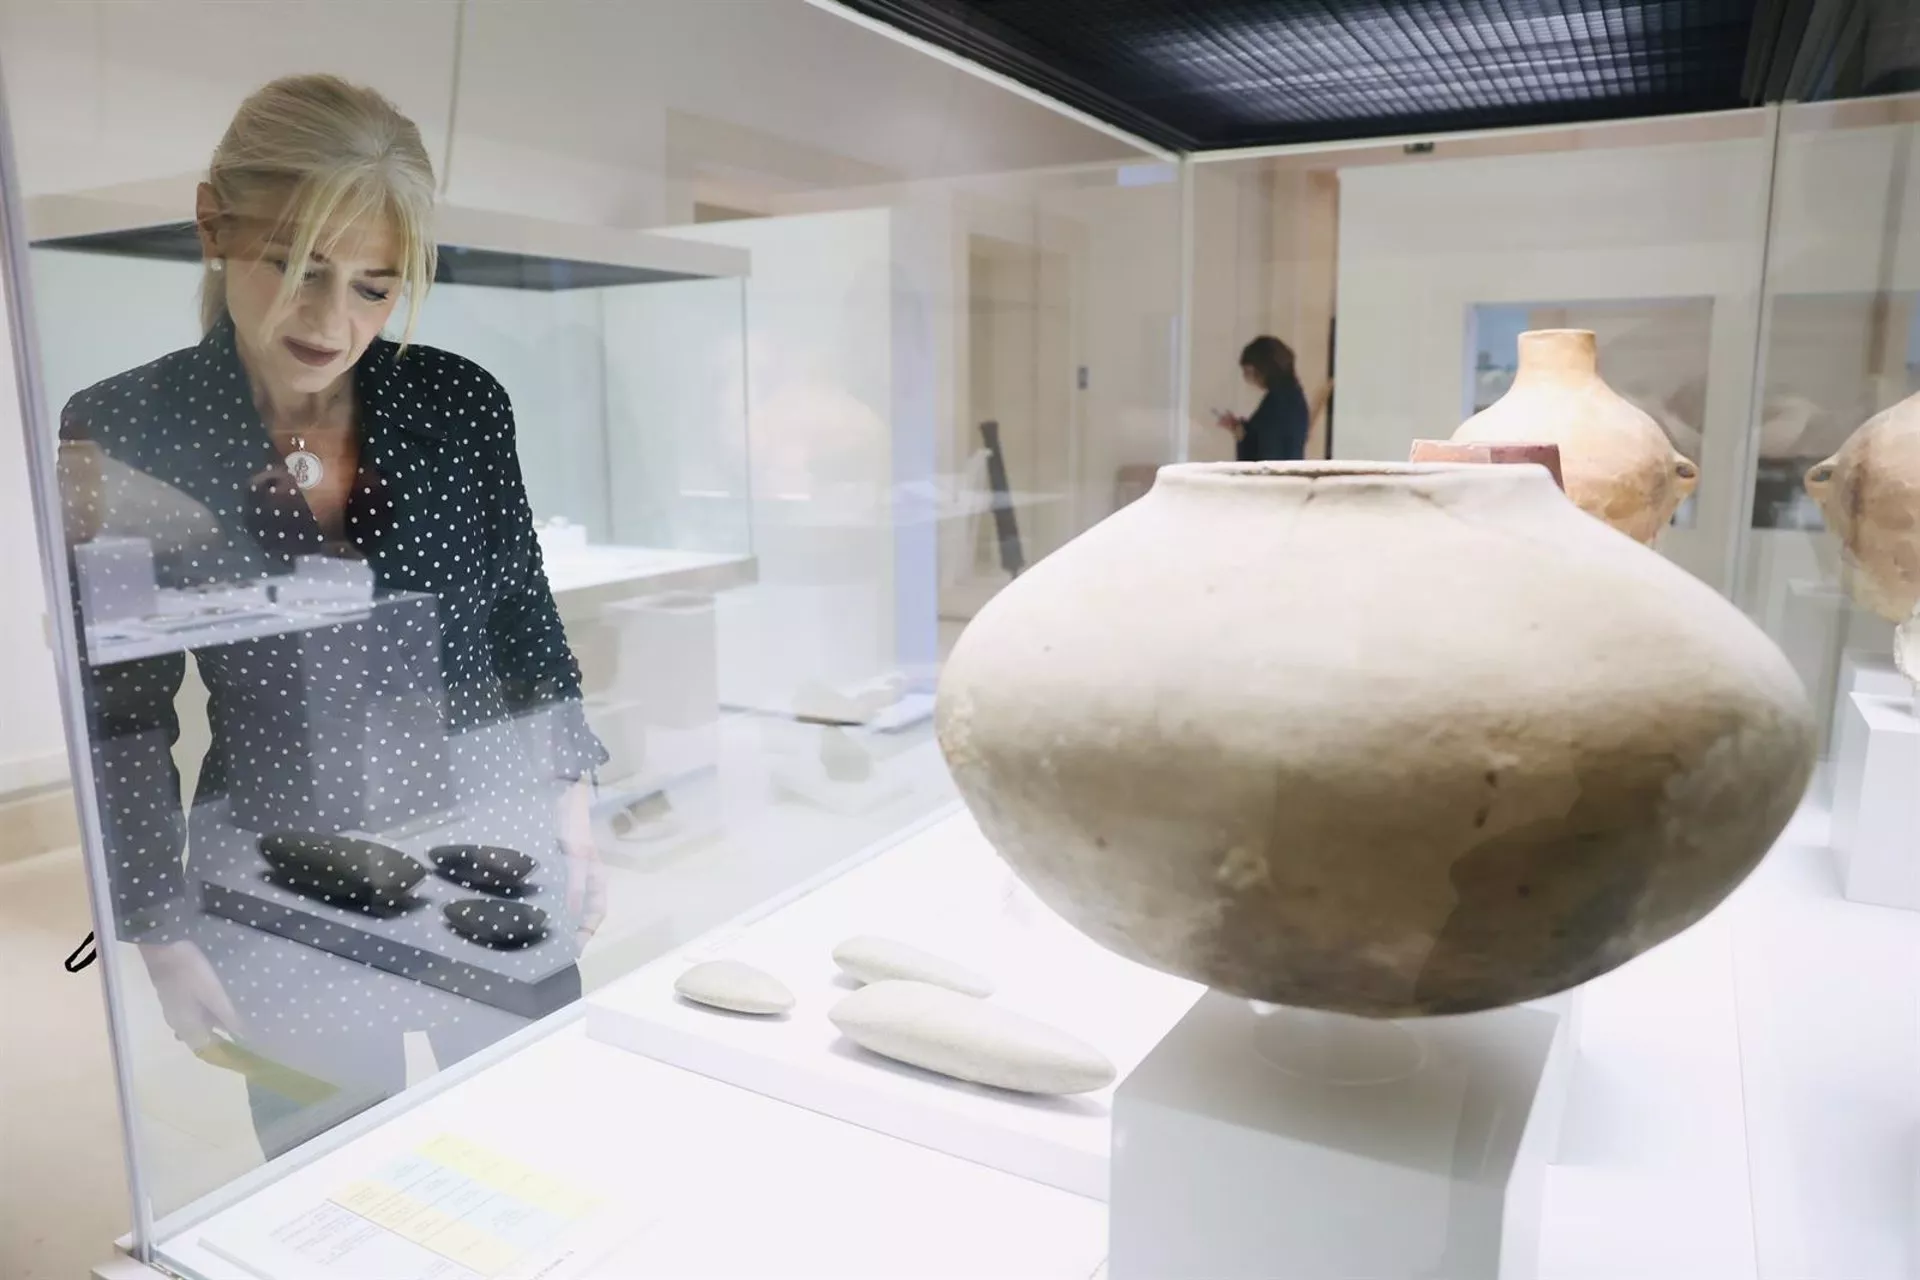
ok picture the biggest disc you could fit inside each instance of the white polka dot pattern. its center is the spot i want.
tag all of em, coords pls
(439, 508)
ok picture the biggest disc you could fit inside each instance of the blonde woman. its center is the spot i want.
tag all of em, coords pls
(305, 432)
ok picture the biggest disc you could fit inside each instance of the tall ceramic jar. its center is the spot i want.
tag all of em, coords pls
(1384, 739)
(1618, 464)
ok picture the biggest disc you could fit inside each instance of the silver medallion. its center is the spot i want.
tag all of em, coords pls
(304, 467)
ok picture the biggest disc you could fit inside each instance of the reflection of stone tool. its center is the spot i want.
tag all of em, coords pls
(264, 1073)
(1012, 559)
(1906, 653)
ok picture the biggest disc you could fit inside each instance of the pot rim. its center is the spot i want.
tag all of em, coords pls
(1526, 482)
(1349, 470)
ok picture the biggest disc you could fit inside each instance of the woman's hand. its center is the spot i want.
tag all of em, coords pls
(586, 874)
(192, 1000)
(1230, 422)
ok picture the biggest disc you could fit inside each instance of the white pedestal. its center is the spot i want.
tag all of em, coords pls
(1876, 802)
(1563, 1062)
(1861, 671)
(1260, 1144)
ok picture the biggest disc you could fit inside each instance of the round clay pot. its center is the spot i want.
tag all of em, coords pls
(1384, 739)
(1618, 464)
(1870, 492)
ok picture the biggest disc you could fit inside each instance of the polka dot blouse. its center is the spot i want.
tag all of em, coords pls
(438, 508)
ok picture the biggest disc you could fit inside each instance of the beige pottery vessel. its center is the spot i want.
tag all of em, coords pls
(1618, 464)
(1870, 493)
(1386, 739)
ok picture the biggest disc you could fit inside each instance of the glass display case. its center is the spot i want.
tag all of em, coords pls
(797, 378)
(1826, 974)
(486, 853)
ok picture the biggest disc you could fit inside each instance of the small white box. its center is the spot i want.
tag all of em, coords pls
(1876, 804)
(1256, 1143)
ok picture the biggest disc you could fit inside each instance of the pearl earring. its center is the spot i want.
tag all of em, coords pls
(216, 264)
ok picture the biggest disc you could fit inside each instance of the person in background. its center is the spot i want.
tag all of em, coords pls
(1277, 431)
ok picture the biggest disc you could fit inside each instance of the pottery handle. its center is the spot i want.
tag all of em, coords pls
(1906, 651)
(1686, 475)
(1819, 479)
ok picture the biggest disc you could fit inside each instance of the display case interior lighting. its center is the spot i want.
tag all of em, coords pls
(477, 247)
(458, 264)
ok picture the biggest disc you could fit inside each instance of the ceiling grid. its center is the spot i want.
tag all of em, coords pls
(1208, 74)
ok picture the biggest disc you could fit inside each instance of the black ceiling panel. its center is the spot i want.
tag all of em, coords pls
(1201, 74)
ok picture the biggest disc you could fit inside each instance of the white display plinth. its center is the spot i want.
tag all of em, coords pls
(1259, 1143)
(1876, 803)
(1562, 1065)
(1861, 671)
(946, 891)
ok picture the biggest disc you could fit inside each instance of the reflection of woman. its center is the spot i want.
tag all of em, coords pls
(1277, 431)
(304, 432)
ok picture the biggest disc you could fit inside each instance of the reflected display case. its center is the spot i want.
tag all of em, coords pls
(752, 775)
(615, 649)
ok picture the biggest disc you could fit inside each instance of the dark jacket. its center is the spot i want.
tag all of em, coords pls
(1277, 431)
(438, 508)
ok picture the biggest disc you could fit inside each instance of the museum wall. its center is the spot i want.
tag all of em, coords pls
(820, 383)
(1305, 275)
(1019, 337)
(1130, 300)
(676, 410)
(1233, 241)
(122, 93)
(1264, 261)
(549, 352)
(1069, 276)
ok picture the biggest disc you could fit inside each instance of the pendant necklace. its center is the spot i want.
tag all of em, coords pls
(303, 466)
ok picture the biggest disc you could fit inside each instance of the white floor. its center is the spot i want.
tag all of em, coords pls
(62, 1189)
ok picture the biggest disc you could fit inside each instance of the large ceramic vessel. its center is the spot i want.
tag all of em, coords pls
(1617, 462)
(1870, 492)
(1386, 739)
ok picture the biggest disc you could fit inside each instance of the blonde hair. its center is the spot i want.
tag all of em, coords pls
(334, 152)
